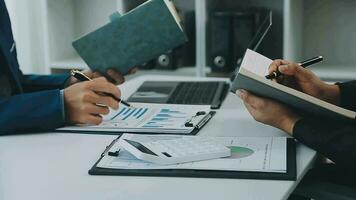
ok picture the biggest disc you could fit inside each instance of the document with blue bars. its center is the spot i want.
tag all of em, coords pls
(151, 118)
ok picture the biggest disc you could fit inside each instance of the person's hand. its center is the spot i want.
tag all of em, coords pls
(304, 80)
(269, 112)
(84, 104)
(113, 75)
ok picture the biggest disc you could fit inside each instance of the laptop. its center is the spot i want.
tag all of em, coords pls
(194, 92)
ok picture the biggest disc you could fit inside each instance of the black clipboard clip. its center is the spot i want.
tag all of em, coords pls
(107, 149)
(199, 120)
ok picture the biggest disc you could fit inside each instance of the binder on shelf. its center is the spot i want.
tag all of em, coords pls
(107, 166)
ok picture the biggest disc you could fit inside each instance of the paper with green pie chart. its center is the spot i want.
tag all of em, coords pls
(240, 152)
(257, 154)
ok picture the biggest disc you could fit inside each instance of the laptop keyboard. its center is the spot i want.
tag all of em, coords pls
(196, 93)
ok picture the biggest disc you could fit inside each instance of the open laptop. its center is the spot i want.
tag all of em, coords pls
(194, 92)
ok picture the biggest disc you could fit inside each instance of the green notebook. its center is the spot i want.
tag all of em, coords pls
(140, 35)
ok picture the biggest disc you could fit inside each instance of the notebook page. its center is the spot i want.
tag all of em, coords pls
(256, 63)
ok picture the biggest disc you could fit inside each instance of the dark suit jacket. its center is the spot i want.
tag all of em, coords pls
(35, 103)
(334, 140)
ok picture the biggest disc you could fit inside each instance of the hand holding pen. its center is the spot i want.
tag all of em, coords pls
(82, 77)
(297, 77)
(85, 102)
(275, 73)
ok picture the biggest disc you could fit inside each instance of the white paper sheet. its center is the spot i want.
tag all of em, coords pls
(148, 118)
(260, 154)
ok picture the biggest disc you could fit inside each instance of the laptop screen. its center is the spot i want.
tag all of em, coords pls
(261, 32)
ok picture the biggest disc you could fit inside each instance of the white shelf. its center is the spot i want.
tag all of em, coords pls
(318, 27)
(185, 71)
(201, 23)
(67, 20)
(78, 63)
(67, 64)
(322, 27)
(335, 72)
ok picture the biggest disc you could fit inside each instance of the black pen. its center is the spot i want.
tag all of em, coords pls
(304, 64)
(82, 77)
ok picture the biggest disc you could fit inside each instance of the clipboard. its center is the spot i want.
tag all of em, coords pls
(195, 121)
(290, 175)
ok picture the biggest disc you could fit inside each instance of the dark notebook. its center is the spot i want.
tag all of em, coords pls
(251, 77)
(140, 35)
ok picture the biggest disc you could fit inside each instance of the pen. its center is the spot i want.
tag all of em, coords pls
(82, 77)
(304, 64)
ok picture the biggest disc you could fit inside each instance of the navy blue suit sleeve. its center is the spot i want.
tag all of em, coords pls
(39, 111)
(335, 141)
(33, 83)
(348, 95)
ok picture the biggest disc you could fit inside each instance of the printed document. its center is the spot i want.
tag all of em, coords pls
(164, 118)
(259, 154)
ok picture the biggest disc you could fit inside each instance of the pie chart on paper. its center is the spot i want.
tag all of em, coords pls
(240, 152)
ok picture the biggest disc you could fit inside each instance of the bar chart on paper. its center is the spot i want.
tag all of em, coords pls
(147, 118)
(151, 117)
(126, 117)
(167, 118)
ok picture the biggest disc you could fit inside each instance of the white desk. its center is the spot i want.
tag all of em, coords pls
(55, 166)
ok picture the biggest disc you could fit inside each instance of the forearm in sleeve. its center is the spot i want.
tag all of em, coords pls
(39, 111)
(348, 95)
(336, 142)
(34, 83)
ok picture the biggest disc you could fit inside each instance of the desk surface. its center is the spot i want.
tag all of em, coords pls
(55, 165)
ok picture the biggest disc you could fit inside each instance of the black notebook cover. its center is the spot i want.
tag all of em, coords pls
(291, 173)
(264, 90)
(249, 78)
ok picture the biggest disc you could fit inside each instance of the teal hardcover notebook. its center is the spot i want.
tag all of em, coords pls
(140, 35)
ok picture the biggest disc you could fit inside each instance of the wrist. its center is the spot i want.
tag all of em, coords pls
(331, 94)
(288, 123)
(67, 106)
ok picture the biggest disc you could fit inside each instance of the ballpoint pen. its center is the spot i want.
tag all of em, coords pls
(304, 64)
(82, 77)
